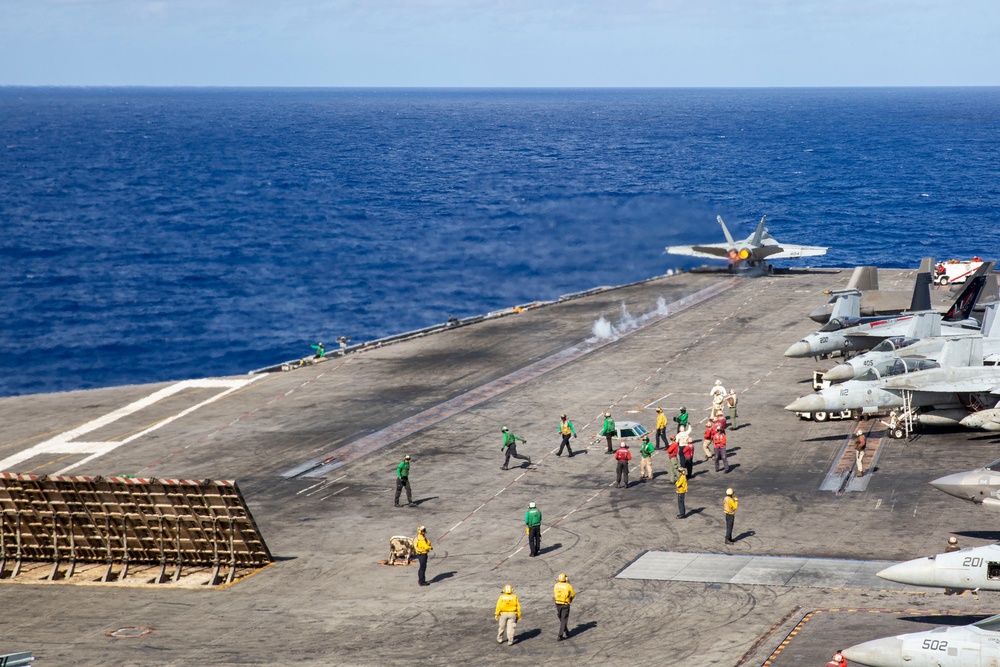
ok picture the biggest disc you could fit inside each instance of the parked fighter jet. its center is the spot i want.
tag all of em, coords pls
(753, 251)
(843, 334)
(972, 569)
(875, 301)
(883, 356)
(980, 486)
(941, 392)
(976, 644)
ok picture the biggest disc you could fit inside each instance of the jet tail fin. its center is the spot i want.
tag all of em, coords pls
(725, 230)
(990, 292)
(921, 299)
(966, 351)
(864, 278)
(924, 325)
(991, 323)
(966, 301)
(759, 234)
(847, 304)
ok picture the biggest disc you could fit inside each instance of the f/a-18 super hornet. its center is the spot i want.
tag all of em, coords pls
(753, 252)
(959, 646)
(980, 486)
(850, 333)
(973, 569)
(875, 301)
(882, 357)
(930, 392)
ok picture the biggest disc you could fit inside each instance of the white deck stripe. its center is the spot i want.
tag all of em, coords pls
(67, 443)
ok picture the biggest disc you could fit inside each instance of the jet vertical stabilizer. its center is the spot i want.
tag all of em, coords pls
(958, 352)
(759, 234)
(991, 323)
(725, 230)
(921, 299)
(864, 278)
(966, 301)
(847, 304)
(924, 325)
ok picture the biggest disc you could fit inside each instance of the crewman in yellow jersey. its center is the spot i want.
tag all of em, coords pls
(564, 595)
(729, 506)
(422, 546)
(508, 613)
(661, 428)
(682, 488)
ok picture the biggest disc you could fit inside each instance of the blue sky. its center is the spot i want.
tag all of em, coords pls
(668, 43)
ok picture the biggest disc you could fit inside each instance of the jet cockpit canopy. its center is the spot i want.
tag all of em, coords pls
(895, 343)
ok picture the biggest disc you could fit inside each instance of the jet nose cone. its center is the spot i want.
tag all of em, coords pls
(917, 572)
(799, 350)
(841, 373)
(812, 403)
(886, 652)
(954, 485)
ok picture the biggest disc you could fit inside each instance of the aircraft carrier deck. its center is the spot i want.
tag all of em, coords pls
(315, 450)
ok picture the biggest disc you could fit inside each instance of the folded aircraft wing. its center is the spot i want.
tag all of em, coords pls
(709, 251)
(971, 386)
(787, 251)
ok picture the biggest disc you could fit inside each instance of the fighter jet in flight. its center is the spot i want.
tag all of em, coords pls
(753, 252)
(976, 644)
(980, 486)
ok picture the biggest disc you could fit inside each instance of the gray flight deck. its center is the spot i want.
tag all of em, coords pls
(314, 451)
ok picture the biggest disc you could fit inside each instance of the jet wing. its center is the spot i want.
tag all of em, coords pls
(969, 386)
(709, 251)
(786, 251)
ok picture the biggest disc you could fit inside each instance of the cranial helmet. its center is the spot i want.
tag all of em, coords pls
(562, 576)
(406, 458)
(683, 409)
(729, 492)
(531, 506)
(508, 589)
(420, 529)
(562, 416)
(718, 383)
(607, 414)
(503, 429)
(953, 540)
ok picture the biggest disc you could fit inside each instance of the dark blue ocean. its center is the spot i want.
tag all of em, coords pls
(158, 234)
